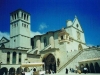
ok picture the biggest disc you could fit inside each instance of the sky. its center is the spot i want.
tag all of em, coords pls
(51, 15)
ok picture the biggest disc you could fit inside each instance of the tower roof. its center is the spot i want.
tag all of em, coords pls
(19, 10)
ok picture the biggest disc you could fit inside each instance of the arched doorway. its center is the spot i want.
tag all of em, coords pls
(81, 67)
(12, 71)
(87, 68)
(50, 62)
(92, 68)
(97, 68)
(19, 70)
(3, 70)
(26, 69)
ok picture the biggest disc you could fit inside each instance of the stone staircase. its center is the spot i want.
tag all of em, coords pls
(75, 56)
(82, 55)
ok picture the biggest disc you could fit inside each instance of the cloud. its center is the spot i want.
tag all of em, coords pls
(4, 34)
(7, 35)
(42, 26)
(35, 33)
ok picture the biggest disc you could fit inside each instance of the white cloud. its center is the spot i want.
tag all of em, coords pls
(42, 26)
(35, 33)
(4, 34)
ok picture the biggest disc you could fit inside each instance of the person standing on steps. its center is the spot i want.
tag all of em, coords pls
(66, 71)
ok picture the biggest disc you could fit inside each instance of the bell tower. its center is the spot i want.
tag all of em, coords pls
(20, 29)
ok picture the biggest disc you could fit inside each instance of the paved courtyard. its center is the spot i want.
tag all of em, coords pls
(75, 74)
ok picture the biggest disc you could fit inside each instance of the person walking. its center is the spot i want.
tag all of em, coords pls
(85, 70)
(35, 72)
(66, 71)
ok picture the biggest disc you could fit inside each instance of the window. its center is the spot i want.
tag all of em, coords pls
(45, 41)
(15, 16)
(14, 25)
(8, 57)
(61, 37)
(14, 58)
(24, 25)
(20, 58)
(77, 26)
(24, 16)
(32, 43)
(14, 40)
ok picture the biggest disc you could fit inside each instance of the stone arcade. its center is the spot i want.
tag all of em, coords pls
(58, 49)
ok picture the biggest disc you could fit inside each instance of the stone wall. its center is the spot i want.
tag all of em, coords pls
(86, 54)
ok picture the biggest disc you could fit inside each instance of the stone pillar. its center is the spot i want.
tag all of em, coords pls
(11, 58)
(17, 58)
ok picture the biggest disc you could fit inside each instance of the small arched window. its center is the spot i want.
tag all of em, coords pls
(14, 58)
(8, 57)
(62, 37)
(22, 15)
(45, 41)
(32, 43)
(15, 16)
(20, 58)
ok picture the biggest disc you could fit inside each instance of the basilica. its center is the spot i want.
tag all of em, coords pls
(60, 49)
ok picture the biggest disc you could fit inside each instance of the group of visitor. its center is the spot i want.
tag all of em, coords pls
(50, 72)
(85, 70)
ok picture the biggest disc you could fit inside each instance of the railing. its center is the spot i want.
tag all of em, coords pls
(75, 56)
(32, 50)
(46, 47)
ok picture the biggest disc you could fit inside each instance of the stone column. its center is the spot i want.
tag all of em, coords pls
(11, 58)
(17, 58)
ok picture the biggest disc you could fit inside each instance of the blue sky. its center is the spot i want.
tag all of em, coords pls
(48, 15)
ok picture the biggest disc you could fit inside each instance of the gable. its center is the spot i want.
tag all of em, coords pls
(4, 40)
(76, 24)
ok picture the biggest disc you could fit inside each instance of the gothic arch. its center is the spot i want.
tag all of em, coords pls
(45, 41)
(26, 69)
(92, 68)
(3, 70)
(80, 47)
(50, 62)
(14, 58)
(97, 67)
(81, 67)
(87, 66)
(12, 71)
(19, 70)
(8, 57)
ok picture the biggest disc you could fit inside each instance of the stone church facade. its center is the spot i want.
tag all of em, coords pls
(60, 49)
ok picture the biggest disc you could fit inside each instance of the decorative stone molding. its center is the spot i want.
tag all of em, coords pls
(80, 47)
(63, 36)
